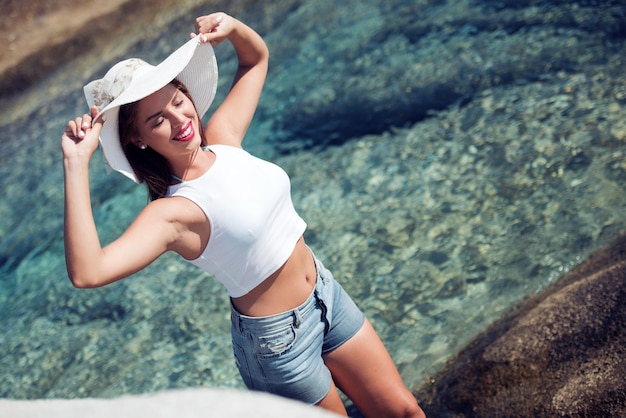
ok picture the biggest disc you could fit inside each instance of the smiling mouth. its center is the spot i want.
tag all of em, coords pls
(186, 134)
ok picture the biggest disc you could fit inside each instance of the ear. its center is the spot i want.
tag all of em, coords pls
(137, 142)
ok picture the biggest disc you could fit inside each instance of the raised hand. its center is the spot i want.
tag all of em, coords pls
(80, 138)
(214, 28)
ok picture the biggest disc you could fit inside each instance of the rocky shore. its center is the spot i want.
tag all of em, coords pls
(38, 37)
(559, 353)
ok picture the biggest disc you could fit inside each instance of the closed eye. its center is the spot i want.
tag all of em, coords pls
(158, 121)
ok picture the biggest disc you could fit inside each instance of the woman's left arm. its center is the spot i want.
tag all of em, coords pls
(229, 123)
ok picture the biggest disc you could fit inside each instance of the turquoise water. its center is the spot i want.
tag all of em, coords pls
(449, 158)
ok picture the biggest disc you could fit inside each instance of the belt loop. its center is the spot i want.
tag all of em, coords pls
(297, 318)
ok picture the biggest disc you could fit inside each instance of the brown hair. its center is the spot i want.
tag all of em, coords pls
(149, 166)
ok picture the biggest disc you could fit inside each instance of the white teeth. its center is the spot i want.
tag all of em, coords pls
(184, 134)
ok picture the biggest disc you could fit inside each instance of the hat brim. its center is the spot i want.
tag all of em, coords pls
(193, 64)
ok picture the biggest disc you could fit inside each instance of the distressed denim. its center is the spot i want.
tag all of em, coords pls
(282, 353)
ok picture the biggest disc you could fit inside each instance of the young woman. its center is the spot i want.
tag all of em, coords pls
(295, 332)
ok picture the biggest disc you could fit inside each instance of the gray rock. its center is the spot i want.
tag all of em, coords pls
(188, 403)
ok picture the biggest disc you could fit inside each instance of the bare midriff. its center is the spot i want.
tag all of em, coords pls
(287, 288)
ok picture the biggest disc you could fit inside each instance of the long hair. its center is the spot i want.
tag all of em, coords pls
(149, 166)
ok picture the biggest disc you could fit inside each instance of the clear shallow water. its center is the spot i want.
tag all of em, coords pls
(436, 227)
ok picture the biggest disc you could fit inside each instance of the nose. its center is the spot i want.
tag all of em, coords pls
(177, 117)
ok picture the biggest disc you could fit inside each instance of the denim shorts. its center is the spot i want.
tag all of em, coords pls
(282, 353)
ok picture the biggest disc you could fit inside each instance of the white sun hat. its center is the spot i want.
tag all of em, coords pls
(128, 81)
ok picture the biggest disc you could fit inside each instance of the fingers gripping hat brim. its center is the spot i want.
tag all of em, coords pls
(193, 64)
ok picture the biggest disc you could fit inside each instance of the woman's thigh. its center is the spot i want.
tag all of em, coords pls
(363, 369)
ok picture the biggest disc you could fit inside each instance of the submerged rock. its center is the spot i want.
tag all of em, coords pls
(559, 353)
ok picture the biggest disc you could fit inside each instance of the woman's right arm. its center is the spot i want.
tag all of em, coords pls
(150, 235)
(78, 143)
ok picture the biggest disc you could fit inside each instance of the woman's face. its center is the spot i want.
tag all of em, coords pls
(167, 122)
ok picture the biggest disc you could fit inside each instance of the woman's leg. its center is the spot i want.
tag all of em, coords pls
(333, 402)
(364, 371)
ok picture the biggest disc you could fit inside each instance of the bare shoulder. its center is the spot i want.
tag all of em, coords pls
(184, 226)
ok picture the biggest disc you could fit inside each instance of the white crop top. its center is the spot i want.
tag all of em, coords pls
(254, 225)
